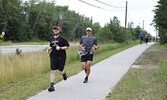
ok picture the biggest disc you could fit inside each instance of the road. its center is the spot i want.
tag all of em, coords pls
(103, 77)
(25, 48)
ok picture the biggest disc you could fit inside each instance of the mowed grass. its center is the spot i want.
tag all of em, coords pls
(29, 73)
(148, 81)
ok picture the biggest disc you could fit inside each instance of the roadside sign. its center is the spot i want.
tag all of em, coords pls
(1, 36)
(3, 33)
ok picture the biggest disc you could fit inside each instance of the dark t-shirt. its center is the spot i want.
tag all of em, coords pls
(59, 41)
(88, 42)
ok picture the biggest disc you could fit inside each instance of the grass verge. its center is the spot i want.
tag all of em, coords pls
(24, 88)
(146, 79)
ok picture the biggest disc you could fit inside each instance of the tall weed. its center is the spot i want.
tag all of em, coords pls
(161, 72)
(0, 42)
(14, 68)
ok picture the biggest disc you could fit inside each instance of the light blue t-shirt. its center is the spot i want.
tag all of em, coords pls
(146, 36)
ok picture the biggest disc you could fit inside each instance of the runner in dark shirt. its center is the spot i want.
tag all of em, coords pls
(58, 45)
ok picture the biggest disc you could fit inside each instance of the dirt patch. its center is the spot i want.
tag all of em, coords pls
(136, 66)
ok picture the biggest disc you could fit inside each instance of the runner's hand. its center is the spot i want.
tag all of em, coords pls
(93, 49)
(48, 49)
(57, 48)
(83, 48)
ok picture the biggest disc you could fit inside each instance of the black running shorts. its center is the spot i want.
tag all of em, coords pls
(57, 63)
(88, 57)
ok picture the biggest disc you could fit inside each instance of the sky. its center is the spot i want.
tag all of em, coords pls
(138, 11)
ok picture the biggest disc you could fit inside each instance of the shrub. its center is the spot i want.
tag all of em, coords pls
(18, 52)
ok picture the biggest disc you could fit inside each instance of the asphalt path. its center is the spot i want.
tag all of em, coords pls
(103, 77)
(25, 48)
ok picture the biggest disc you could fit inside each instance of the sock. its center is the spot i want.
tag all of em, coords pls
(51, 84)
(86, 77)
(85, 70)
(64, 73)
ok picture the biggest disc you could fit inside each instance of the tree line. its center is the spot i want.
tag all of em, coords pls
(34, 20)
(160, 20)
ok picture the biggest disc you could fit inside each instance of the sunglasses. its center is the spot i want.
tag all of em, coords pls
(55, 29)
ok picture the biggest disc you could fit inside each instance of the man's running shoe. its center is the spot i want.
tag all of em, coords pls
(50, 89)
(85, 80)
(64, 76)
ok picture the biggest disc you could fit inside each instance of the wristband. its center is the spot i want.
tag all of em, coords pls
(60, 48)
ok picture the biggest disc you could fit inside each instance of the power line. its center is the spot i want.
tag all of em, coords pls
(93, 5)
(108, 4)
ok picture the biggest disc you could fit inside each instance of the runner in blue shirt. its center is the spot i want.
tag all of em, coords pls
(141, 37)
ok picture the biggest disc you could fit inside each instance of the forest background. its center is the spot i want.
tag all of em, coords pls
(33, 20)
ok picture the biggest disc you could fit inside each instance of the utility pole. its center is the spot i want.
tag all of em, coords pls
(126, 17)
(126, 14)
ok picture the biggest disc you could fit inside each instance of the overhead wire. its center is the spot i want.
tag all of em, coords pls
(101, 3)
(93, 5)
(108, 4)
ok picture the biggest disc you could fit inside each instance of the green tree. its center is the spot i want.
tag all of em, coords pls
(35, 19)
(112, 31)
(12, 21)
(40, 16)
(160, 19)
(96, 27)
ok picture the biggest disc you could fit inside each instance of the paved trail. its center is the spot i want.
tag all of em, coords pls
(104, 75)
